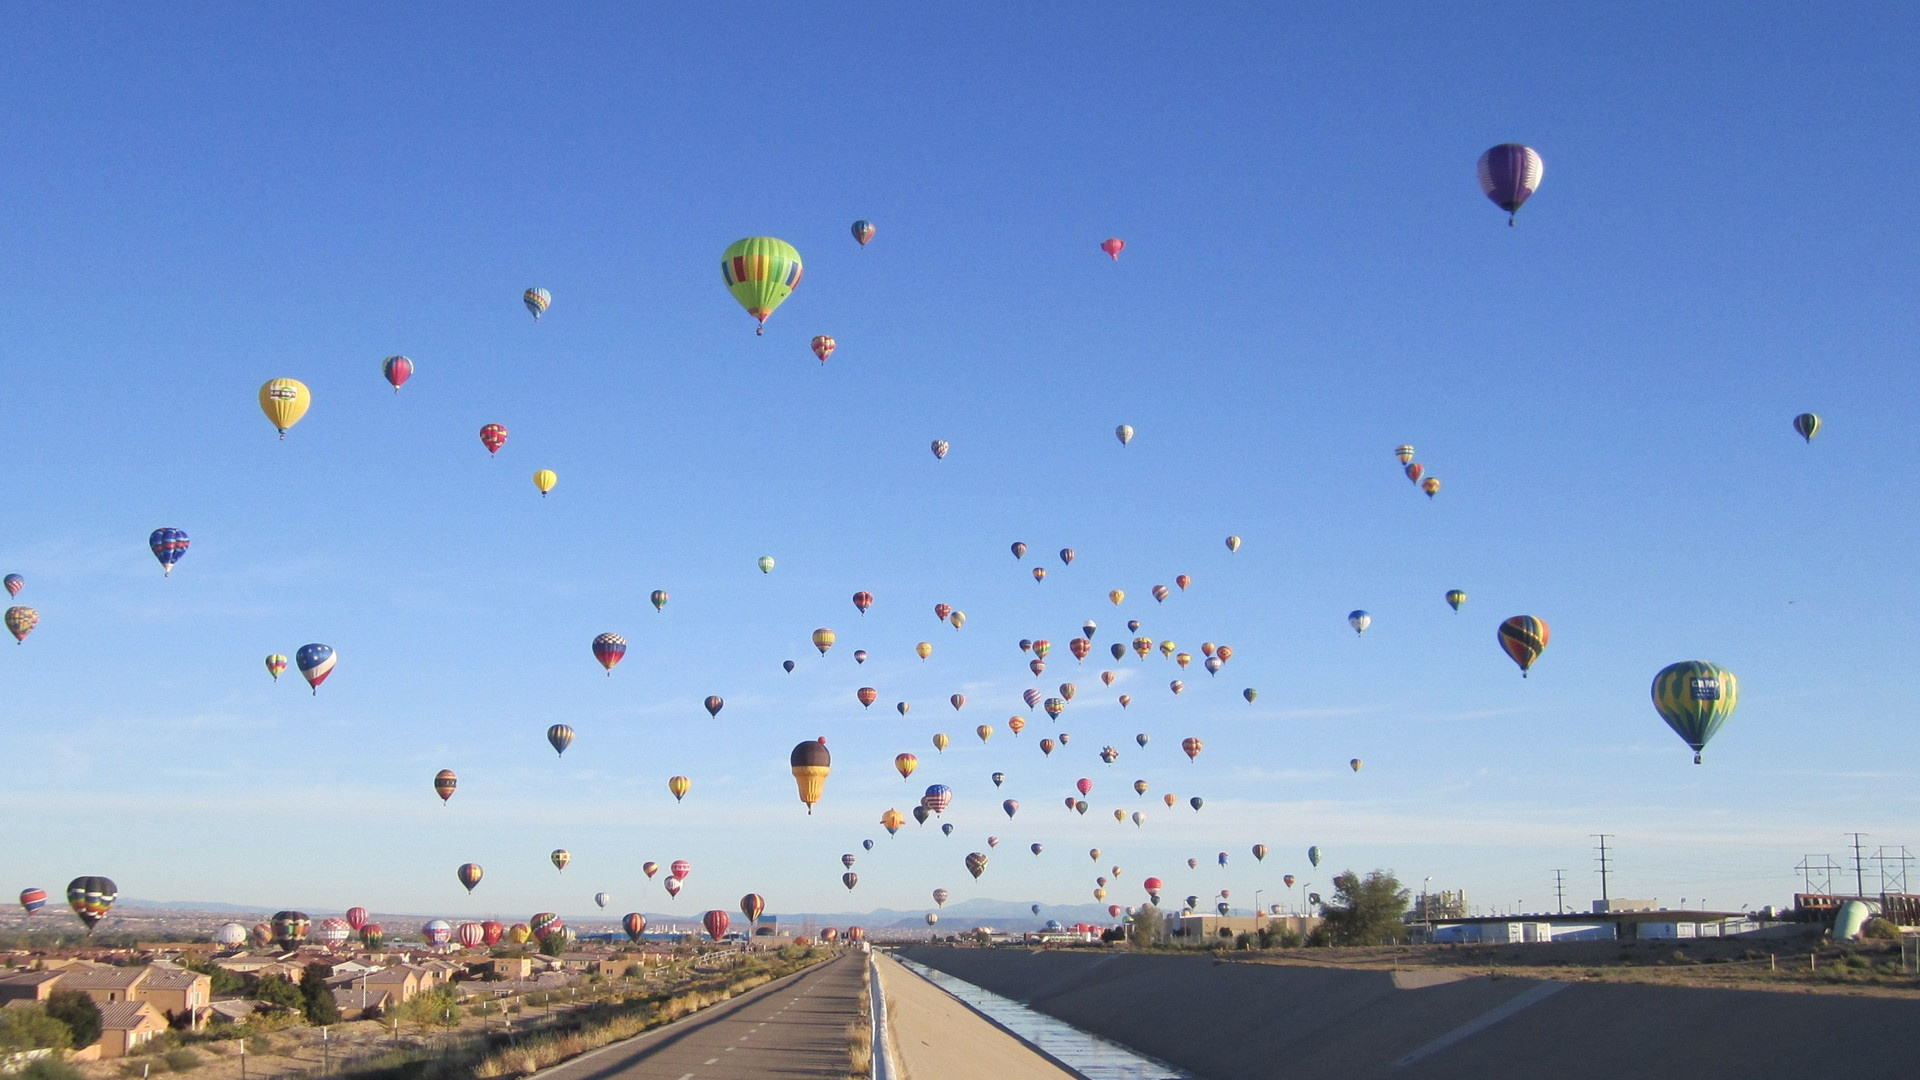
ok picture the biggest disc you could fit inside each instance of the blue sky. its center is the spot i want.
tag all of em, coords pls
(205, 200)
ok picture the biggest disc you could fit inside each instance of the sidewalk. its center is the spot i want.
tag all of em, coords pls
(938, 1038)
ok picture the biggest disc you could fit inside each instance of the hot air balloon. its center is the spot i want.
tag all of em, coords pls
(1523, 638)
(1355, 764)
(659, 599)
(863, 231)
(1233, 543)
(1142, 646)
(673, 885)
(169, 546)
(1054, 707)
(1067, 690)
(823, 345)
(1084, 785)
(649, 868)
(608, 649)
(397, 369)
(761, 272)
(537, 300)
(1160, 593)
(1042, 647)
(1080, 806)
(957, 620)
(765, 563)
(634, 924)
(859, 656)
(517, 934)
(1039, 573)
(544, 479)
(470, 873)
(810, 763)
(444, 782)
(1117, 596)
(1510, 174)
(275, 665)
(1118, 651)
(940, 448)
(937, 798)
(561, 857)
(751, 905)
(1455, 598)
(1080, 647)
(892, 820)
(1695, 698)
(940, 742)
(679, 786)
(1260, 852)
(356, 918)
(1807, 425)
(1313, 855)
(849, 879)
(493, 437)
(716, 922)
(714, 704)
(290, 928)
(823, 640)
(1046, 746)
(1359, 620)
(680, 869)
(901, 707)
(1113, 246)
(601, 899)
(1431, 485)
(924, 649)
(1017, 724)
(561, 737)
(1250, 694)
(866, 696)
(284, 401)
(15, 583)
(316, 663)
(1196, 802)
(958, 701)
(985, 731)
(905, 763)
(1109, 754)
(1066, 556)
(33, 899)
(1124, 433)
(976, 864)
(1404, 453)
(1192, 746)
(862, 601)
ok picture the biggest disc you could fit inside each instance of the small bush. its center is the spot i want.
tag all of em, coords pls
(1881, 928)
(181, 1059)
(50, 1068)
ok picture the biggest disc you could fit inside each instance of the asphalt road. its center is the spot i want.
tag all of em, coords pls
(794, 1029)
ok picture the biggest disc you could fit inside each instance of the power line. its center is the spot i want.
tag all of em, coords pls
(1560, 891)
(1817, 876)
(1605, 868)
(1894, 880)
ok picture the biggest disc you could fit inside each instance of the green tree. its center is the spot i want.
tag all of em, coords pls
(553, 944)
(318, 1001)
(225, 983)
(279, 990)
(79, 1013)
(1365, 911)
(1149, 925)
(29, 1027)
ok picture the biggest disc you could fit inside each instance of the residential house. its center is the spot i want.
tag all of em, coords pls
(358, 1001)
(176, 992)
(105, 985)
(581, 963)
(402, 980)
(125, 1026)
(28, 985)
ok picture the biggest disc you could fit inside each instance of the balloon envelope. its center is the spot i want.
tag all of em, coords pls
(1510, 173)
(760, 272)
(1695, 698)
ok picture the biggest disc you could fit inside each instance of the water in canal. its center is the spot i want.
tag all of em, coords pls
(1090, 1055)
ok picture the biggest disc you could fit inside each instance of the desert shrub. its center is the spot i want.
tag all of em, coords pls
(181, 1059)
(1881, 928)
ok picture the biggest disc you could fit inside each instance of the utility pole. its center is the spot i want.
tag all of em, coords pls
(1859, 866)
(1605, 867)
(1893, 881)
(1560, 891)
(1822, 885)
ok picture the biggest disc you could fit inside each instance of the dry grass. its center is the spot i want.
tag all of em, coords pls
(860, 1033)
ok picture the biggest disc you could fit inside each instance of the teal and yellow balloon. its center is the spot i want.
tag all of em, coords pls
(1455, 598)
(1806, 425)
(1695, 698)
(760, 272)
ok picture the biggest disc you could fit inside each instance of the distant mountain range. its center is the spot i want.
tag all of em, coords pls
(1003, 914)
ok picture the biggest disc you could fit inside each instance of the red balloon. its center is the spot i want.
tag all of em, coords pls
(1113, 245)
(716, 922)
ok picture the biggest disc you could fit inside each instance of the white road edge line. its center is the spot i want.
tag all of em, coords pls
(1486, 1020)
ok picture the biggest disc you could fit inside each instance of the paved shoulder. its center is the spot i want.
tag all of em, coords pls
(795, 1028)
(937, 1037)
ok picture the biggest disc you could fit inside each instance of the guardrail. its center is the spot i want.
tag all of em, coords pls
(882, 1046)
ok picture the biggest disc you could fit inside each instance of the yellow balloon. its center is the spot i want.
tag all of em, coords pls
(985, 731)
(940, 743)
(544, 480)
(679, 786)
(284, 401)
(925, 649)
(1116, 596)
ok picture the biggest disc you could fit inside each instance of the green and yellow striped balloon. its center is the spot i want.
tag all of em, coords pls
(760, 272)
(1695, 698)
